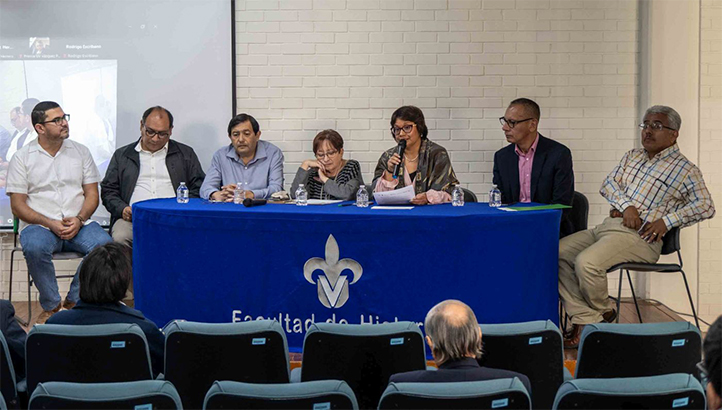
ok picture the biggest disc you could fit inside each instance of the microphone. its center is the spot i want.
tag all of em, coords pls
(249, 202)
(399, 150)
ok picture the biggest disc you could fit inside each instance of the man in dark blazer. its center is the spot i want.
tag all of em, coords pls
(533, 168)
(454, 336)
(133, 176)
(14, 336)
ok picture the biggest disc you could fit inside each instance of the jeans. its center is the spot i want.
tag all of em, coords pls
(39, 244)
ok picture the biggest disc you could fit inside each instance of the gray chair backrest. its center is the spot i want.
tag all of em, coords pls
(2, 403)
(670, 242)
(533, 349)
(364, 356)
(144, 394)
(8, 388)
(87, 354)
(469, 196)
(197, 354)
(488, 394)
(638, 349)
(670, 391)
(579, 214)
(323, 394)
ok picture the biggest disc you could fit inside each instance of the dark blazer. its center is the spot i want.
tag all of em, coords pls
(464, 370)
(98, 314)
(14, 336)
(122, 174)
(552, 177)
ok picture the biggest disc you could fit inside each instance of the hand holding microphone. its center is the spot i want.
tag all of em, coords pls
(400, 152)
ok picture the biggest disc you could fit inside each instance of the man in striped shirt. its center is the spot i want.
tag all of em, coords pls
(652, 190)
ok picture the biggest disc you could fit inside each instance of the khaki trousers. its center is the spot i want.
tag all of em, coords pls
(584, 258)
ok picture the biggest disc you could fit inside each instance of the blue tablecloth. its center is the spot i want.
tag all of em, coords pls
(215, 262)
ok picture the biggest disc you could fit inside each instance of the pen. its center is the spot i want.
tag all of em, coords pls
(349, 204)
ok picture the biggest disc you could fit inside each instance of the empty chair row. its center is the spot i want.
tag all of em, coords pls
(673, 391)
(364, 356)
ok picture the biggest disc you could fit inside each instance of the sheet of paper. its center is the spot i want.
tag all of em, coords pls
(503, 208)
(396, 197)
(393, 208)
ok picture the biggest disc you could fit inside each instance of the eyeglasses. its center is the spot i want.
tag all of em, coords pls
(152, 133)
(406, 128)
(328, 154)
(511, 123)
(58, 121)
(703, 375)
(654, 125)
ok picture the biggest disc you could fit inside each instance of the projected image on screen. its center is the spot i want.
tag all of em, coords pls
(86, 89)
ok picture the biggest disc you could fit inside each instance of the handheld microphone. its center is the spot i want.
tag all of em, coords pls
(249, 202)
(399, 150)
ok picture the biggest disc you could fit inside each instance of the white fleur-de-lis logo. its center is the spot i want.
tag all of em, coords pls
(332, 286)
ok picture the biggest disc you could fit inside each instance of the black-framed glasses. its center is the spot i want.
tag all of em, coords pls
(152, 133)
(654, 125)
(59, 120)
(511, 123)
(329, 154)
(406, 129)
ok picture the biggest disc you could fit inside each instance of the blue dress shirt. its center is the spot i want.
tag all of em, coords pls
(263, 175)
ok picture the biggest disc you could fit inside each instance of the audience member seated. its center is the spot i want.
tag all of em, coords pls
(256, 164)
(104, 277)
(329, 176)
(712, 364)
(426, 164)
(14, 336)
(454, 336)
(652, 190)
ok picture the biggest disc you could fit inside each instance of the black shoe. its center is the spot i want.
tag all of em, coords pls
(610, 317)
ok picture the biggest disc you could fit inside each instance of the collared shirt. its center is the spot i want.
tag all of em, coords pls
(153, 179)
(525, 164)
(263, 174)
(13, 148)
(54, 185)
(668, 186)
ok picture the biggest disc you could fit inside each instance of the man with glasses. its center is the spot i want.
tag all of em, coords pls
(53, 187)
(255, 164)
(533, 168)
(652, 190)
(152, 167)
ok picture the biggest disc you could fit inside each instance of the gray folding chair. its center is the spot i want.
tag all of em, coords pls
(144, 394)
(323, 394)
(487, 394)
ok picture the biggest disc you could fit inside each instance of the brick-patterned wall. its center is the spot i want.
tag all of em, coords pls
(710, 144)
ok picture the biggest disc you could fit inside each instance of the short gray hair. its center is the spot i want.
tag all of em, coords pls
(675, 121)
(454, 337)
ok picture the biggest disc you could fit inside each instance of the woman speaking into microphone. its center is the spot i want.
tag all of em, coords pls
(421, 163)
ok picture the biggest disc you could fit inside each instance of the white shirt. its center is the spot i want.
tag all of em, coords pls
(54, 185)
(153, 178)
(14, 143)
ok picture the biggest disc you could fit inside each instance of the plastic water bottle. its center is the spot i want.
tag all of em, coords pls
(181, 194)
(239, 194)
(301, 196)
(362, 197)
(494, 197)
(457, 197)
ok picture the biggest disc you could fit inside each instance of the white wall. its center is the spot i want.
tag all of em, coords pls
(306, 65)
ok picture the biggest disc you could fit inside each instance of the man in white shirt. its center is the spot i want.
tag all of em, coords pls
(53, 187)
(153, 167)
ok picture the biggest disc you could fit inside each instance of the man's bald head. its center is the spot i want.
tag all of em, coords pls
(453, 331)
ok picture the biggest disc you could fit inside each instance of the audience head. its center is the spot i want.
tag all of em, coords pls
(712, 349)
(660, 129)
(328, 148)
(244, 132)
(156, 127)
(452, 332)
(520, 122)
(408, 123)
(105, 274)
